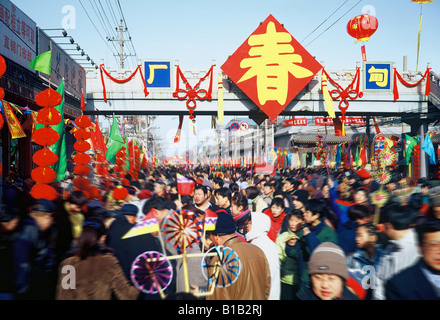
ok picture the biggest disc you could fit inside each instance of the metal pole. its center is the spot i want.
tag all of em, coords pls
(121, 43)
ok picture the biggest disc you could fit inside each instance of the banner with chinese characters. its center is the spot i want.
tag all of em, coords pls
(378, 76)
(295, 122)
(271, 67)
(321, 121)
(18, 34)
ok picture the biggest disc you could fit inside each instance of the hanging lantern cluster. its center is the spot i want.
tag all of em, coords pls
(48, 116)
(2, 72)
(121, 159)
(320, 154)
(82, 159)
(137, 161)
(134, 154)
(2, 94)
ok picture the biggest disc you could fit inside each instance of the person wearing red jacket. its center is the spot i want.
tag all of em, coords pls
(276, 214)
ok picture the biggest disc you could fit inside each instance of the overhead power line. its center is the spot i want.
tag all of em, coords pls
(334, 23)
(331, 15)
(107, 17)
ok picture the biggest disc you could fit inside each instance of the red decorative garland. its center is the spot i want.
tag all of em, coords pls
(398, 76)
(191, 93)
(120, 81)
(351, 92)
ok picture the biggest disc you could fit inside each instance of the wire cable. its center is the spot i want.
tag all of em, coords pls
(99, 33)
(324, 21)
(333, 23)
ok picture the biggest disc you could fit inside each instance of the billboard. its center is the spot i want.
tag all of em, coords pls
(18, 39)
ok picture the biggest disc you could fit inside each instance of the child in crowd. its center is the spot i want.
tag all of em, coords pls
(289, 264)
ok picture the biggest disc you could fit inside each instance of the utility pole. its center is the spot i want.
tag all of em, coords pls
(121, 45)
(122, 56)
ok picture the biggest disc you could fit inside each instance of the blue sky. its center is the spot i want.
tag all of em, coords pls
(195, 32)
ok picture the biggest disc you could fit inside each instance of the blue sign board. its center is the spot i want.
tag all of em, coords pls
(378, 76)
(157, 74)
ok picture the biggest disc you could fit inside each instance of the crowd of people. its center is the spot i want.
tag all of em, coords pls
(300, 234)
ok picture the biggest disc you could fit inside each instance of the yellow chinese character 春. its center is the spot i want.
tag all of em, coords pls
(380, 76)
(271, 60)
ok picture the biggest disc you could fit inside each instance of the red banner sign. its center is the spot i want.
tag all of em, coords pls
(295, 122)
(321, 121)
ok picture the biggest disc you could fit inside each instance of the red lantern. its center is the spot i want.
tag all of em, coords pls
(95, 193)
(83, 122)
(120, 162)
(45, 136)
(362, 27)
(82, 134)
(81, 170)
(43, 191)
(1, 121)
(45, 158)
(49, 116)
(48, 98)
(120, 193)
(43, 175)
(118, 169)
(82, 146)
(120, 154)
(2, 93)
(81, 183)
(2, 66)
(81, 158)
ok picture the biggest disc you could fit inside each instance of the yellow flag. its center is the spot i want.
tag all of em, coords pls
(14, 125)
(192, 127)
(327, 98)
(220, 112)
(388, 144)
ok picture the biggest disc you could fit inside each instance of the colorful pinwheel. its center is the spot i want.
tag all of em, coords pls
(182, 229)
(151, 272)
(403, 195)
(379, 198)
(387, 157)
(222, 269)
(383, 176)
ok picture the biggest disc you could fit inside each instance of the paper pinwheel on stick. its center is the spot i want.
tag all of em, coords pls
(151, 272)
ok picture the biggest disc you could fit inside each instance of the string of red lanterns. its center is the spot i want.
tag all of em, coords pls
(44, 175)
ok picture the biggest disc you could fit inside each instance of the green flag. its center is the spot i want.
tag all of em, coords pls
(115, 142)
(59, 148)
(42, 62)
(356, 158)
(128, 155)
(410, 143)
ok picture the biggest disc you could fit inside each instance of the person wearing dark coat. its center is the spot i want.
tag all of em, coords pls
(33, 254)
(128, 249)
(421, 281)
(358, 214)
